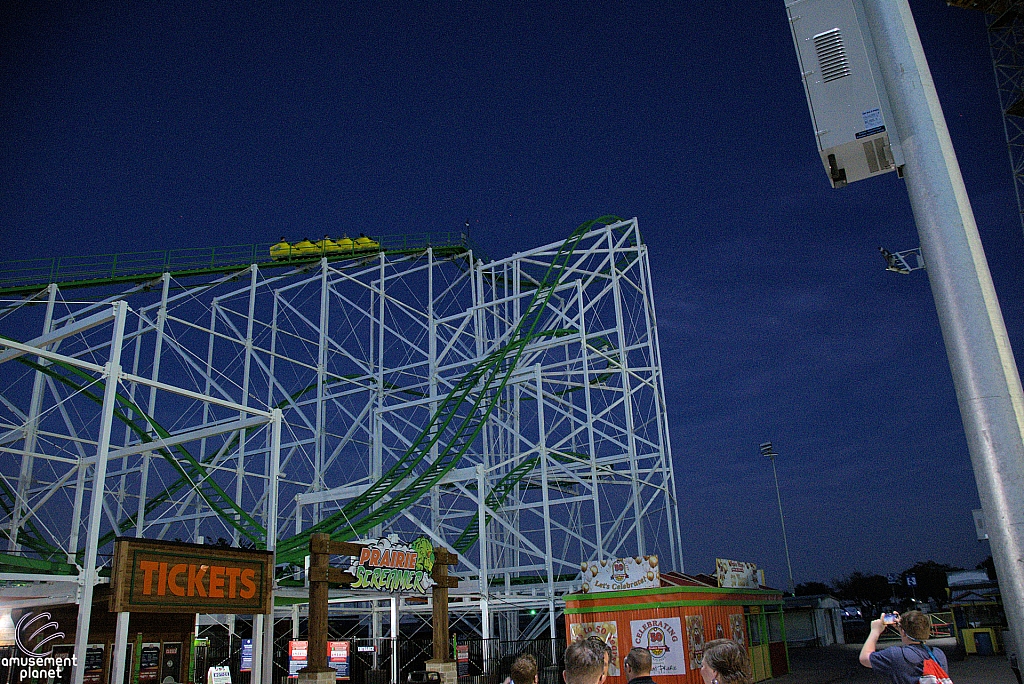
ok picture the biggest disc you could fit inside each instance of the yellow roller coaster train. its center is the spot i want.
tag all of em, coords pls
(304, 248)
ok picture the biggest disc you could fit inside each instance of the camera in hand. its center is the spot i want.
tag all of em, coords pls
(890, 618)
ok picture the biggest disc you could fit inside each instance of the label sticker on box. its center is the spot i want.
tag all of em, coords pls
(872, 118)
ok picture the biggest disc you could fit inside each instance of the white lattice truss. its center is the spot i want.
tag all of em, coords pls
(342, 364)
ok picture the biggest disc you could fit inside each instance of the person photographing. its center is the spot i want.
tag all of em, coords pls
(907, 662)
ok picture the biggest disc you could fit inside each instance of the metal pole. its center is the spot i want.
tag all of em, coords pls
(267, 652)
(394, 639)
(674, 528)
(484, 581)
(984, 371)
(258, 628)
(627, 393)
(120, 649)
(782, 519)
(161, 324)
(769, 451)
(90, 575)
(589, 413)
(542, 447)
(31, 432)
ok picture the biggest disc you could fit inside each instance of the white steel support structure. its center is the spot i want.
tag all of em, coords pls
(287, 391)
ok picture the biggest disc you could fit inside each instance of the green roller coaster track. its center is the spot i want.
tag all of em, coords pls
(486, 380)
(28, 276)
(460, 417)
(190, 470)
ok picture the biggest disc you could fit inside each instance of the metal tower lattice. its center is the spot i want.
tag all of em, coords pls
(513, 411)
(1005, 21)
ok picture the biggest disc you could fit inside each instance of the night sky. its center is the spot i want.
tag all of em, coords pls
(143, 126)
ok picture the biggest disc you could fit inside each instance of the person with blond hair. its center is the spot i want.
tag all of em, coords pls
(725, 662)
(903, 663)
(586, 662)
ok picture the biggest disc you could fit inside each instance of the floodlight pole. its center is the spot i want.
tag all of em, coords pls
(984, 371)
(767, 450)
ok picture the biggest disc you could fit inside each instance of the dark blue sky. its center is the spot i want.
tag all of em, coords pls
(138, 126)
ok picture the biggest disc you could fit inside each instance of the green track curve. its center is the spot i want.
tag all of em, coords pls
(460, 417)
(462, 412)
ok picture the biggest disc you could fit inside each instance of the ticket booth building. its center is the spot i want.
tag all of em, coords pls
(676, 622)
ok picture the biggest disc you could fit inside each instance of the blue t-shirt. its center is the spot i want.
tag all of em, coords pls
(903, 664)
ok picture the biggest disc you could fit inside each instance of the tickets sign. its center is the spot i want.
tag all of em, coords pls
(170, 577)
(620, 574)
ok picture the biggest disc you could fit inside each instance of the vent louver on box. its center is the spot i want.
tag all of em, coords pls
(876, 156)
(883, 157)
(869, 153)
(831, 55)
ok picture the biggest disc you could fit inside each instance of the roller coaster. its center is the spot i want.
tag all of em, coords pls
(511, 410)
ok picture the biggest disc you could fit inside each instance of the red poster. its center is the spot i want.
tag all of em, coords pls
(337, 658)
(297, 657)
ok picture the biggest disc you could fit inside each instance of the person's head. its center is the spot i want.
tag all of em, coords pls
(585, 662)
(598, 642)
(637, 663)
(524, 669)
(915, 626)
(725, 662)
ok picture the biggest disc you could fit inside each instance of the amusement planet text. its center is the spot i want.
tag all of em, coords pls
(34, 667)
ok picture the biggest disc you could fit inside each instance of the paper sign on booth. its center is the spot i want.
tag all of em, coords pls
(663, 637)
(608, 632)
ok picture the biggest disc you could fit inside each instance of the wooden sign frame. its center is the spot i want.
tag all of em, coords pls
(151, 576)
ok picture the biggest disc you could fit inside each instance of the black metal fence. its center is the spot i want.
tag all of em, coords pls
(481, 661)
(490, 660)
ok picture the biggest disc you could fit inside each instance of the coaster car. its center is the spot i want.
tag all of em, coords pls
(364, 243)
(280, 251)
(304, 249)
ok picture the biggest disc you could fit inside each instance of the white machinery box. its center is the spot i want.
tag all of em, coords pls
(849, 107)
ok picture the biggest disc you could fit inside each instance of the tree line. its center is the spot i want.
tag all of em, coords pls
(923, 581)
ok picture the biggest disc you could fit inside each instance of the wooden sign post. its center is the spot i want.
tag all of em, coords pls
(442, 583)
(400, 574)
(321, 576)
(442, 662)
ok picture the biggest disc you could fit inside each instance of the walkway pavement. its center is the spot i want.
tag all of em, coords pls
(832, 664)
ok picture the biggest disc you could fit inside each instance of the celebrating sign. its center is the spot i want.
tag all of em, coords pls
(663, 637)
(620, 574)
